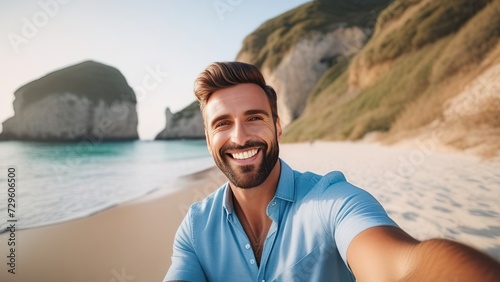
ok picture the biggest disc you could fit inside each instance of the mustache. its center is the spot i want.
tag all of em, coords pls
(248, 144)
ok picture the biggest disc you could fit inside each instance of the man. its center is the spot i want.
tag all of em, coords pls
(271, 223)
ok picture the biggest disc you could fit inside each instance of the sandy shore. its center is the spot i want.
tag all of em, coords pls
(427, 192)
(130, 242)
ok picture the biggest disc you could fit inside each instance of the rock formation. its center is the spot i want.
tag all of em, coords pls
(295, 49)
(421, 76)
(87, 101)
(186, 124)
(304, 64)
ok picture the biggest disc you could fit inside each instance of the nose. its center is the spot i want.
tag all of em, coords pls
(240, 134)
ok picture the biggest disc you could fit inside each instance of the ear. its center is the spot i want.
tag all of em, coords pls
(208, 142)
(279, 131)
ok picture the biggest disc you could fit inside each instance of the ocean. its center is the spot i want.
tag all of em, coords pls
(56, 182)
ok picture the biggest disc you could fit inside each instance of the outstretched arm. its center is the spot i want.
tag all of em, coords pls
(390, 254)
(185, 264)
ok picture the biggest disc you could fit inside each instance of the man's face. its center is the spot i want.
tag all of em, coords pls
(241, 134)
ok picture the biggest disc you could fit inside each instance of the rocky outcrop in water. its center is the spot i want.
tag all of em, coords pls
(87, 101)
(186, 124)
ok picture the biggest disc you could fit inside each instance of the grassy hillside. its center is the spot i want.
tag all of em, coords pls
(432, 22)
(420, 54)
(267, 45)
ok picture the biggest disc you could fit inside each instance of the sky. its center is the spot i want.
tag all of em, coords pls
(159, 46)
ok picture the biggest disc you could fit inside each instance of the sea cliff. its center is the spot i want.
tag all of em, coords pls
(88, 100)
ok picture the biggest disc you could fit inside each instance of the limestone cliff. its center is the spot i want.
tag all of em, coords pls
(185, 124)
(429, 71)
(295, 49)
(312, 56)
(88, 101)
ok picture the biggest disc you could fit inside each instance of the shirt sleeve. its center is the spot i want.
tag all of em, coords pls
(185, 264)
(347, 210)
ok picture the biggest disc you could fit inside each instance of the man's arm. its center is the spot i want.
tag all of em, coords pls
(390, 254)
(185, 264)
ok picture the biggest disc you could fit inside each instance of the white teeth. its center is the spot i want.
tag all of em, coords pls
(245, 155)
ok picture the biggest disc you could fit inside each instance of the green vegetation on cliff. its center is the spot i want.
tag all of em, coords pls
(433, 21)
(420, 50)
(89, 79)
(267, 45)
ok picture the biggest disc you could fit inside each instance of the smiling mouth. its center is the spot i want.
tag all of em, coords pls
(244, 155)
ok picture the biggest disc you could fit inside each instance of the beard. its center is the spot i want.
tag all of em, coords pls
(249, 176)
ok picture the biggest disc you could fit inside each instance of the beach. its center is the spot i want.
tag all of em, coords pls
(427, 191)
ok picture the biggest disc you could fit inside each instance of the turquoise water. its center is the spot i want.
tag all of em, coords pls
(62, 181)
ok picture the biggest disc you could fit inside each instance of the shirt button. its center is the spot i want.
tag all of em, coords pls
(274, 203)
(252, 261)
(247, 246)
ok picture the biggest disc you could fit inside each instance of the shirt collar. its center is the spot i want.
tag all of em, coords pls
(286, 184)
(227, 200)
(284, 191)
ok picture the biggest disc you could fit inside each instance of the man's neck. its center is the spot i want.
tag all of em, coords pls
(250, 206)
(253, 201)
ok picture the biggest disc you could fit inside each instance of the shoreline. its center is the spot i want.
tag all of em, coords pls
(161, 191)
(134, 239)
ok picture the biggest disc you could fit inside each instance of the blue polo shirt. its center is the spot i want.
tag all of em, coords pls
(314, 219)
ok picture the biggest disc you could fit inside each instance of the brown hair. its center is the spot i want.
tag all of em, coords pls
(220, 75)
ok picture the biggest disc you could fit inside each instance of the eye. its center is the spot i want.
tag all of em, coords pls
(255, 118)
(221, 123)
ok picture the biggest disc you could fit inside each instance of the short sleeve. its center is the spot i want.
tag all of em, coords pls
(185, 264)
(347, 210)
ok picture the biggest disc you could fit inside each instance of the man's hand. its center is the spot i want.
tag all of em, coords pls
(390, 254)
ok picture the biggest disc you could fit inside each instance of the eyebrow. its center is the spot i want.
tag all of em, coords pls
(217, 119)
(254, 112)
(247, 113)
